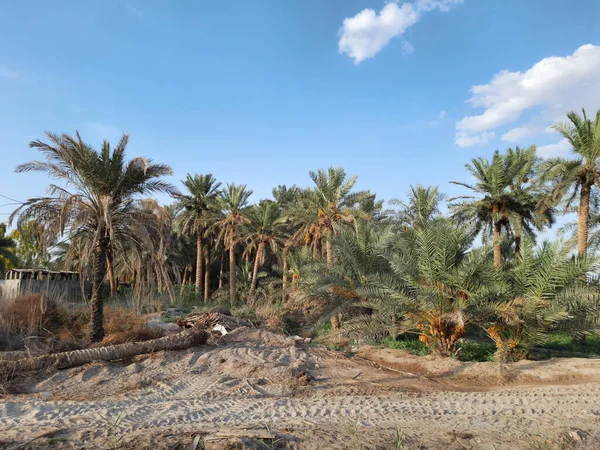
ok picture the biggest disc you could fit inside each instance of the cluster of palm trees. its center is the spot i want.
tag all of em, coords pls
(371, 270)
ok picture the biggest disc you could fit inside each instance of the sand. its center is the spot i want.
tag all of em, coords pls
(254, 383)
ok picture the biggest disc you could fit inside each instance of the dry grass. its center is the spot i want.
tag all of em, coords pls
(31, 322)
(125, 325)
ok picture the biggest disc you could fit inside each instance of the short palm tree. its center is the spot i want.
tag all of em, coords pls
(436, 280)
(266, 230)
(233, 199)
(545, 290)
(493, 202)
(359, 255)
(576, 177)
(195, 211)
(96, 202)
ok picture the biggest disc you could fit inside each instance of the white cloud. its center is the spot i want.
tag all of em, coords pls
(9, 74)
(442, 114)
(365, 34)
(463, 139)
(133, 10)
(548, 90)
(407, 48)
(563, 148)
(519, 133)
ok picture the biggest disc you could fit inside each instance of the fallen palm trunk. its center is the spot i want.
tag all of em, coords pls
(185, 339)
(208, 321)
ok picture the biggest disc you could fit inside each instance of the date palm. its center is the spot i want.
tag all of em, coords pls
(233, 199)
(330, 201)
(194, 213)
(571, 178)
(422, 207)
(265, 230)
(523, 169)
(545, 290)
(493, 202)
(96, 202)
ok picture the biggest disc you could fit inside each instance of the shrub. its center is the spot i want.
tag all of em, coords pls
(414, 346)
(125, 325)
(475, 351)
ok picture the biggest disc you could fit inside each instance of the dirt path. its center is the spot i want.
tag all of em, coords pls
(309, 397)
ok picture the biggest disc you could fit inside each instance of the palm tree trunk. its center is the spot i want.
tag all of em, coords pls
(222, 268)
(206, 276)
(497, 241)
(199, 261)
(232, 278)
(583, 220)
(110, 274)
(329, 252)
(285, 269)
(247, 258)
(179, 341)
(259, 251)
(97, 322)
(185, 271)
(517, 246)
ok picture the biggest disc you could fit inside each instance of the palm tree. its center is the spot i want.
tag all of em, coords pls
(233, 199)
(581, 176)
(490, 209)
(422, 207)
(546, 289)
(523, 169)
(329, 202)
(285, 196)
(435, 282)
(195, 212)
(359, 255)
(96, 204)
(265, 229)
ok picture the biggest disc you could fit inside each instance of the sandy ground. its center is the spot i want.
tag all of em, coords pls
(254, 384)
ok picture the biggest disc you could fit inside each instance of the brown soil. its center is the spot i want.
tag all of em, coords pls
(254, 384)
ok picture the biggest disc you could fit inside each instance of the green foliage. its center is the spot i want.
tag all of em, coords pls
(475, 351)
(560, 344)
(185, 296)
(31, 250)
(8, 259)
(414, 346)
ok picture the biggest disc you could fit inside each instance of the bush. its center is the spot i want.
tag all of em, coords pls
(125, 325)
(414, 346)
(185, 296)
(561, 345)
(475, 351)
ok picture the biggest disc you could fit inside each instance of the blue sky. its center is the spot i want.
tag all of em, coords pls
(261, 92)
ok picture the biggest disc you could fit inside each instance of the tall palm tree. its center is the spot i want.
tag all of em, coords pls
(265, 229)
(580, 176)
(330, 201)
(523, 164)
(493, 202)
(422, 207)
(195, 211)
(97, 202)
(233, 199)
